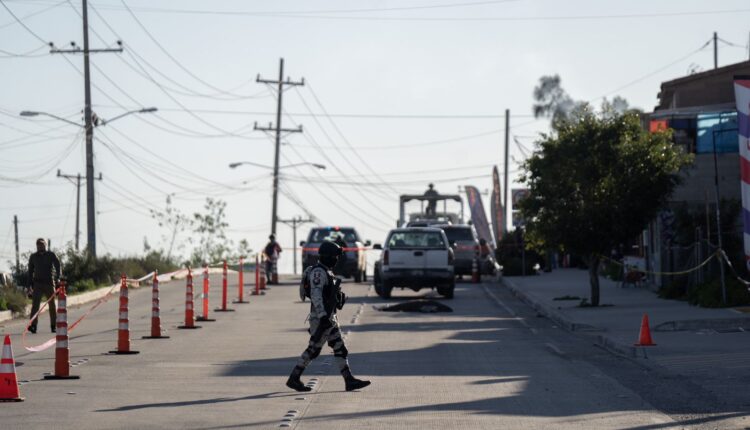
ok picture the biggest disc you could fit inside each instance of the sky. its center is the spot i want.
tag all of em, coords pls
(396, 94)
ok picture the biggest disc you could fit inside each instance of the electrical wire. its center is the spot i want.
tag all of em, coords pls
(7, 24)
(28, 54)
(21, 23)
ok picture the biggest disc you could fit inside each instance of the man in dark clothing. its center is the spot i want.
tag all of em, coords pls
(271, 251)
(431, 203)
(44, 272)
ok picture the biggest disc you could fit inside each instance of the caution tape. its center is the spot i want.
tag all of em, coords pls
(682, 272)
(734, 272)
(52, 341)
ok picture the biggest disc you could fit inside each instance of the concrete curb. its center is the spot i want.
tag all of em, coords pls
(704, 324)
(567, 323)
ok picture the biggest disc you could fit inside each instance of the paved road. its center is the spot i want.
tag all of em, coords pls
(489, 364)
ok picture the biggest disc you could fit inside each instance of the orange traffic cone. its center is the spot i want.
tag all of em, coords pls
(475, 276)
(155, 312)
(263, 280)
(189, 302)
(224, 287)
(241, 283)
(9, 391)
(62, 353)
(644, 339)
(123, 329)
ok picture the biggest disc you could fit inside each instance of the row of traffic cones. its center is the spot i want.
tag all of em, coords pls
(9, 389)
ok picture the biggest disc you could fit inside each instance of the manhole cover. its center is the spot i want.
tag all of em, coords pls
(423, 306)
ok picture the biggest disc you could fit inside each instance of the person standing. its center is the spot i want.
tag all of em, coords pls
(271, 251)
(44, 273)
(324, 290)
(431, 201)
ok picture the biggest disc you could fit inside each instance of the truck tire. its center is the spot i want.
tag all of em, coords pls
(447, 291)
(385, 289)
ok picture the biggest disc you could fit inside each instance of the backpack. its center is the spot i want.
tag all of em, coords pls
(304, 284)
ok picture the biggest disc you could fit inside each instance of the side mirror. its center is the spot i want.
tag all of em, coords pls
(377, 246)
(368, 243)
(302, 243)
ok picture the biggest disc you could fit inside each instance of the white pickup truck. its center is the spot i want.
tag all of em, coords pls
(415, 258)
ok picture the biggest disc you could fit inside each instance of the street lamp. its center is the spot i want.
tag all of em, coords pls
(31, 113)
(240, 163)
(88, 126)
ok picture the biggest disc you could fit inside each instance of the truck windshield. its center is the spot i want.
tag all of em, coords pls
(458, 234)
(416, 239)
(318, 235)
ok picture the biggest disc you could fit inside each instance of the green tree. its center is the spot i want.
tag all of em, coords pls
(597, 182)
(213, 244)
(175, 222)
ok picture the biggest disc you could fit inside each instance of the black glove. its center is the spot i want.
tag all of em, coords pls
(340, 300)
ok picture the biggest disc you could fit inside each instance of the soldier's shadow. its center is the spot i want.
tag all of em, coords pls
(197, 402)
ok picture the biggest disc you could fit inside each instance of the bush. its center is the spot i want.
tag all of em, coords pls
(708, 295)
(13, 299)
(81, 286)
(513, 267)
(611, 270)
(676, 289)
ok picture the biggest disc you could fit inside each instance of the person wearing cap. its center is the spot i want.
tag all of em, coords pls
(44, 273)
(431, 201)
(324, 290)
(271, 251)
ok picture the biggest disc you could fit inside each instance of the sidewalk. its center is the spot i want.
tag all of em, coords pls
(708, 345)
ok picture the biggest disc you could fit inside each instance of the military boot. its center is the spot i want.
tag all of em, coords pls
(294, 382)
(352, 383)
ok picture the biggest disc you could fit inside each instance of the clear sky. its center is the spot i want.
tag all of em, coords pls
(415, 90)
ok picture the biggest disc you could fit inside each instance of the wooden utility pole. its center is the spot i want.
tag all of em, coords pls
(76, 180)
(505, 172)
(89, 126)
(294, 222)
(716, 50)
(278, 130)
(18, 255)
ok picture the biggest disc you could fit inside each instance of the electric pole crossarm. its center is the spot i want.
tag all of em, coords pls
(80, 51)
(273, 129)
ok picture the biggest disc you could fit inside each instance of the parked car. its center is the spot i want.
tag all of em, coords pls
(353, 263)
(463, 240)
(415, 258)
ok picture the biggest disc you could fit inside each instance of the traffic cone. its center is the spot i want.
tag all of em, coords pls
(258, 276)
(263, 273)
(9, 391)
(644, 339)
(274, 271)
(123, 329)
(206, 285)
(475, 277)
(155, 315)
(224, 307)
(241, 283)
(189, 303)
(62, 353)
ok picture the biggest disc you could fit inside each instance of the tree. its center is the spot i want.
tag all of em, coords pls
(597, 182)
(174, 221)
(213, 244)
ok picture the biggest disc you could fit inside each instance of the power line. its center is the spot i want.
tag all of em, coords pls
(7, 24)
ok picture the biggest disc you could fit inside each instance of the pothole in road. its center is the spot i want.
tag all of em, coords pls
(421, 306)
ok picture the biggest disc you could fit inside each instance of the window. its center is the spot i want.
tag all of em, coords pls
(320, 234)
(416, 239)
(458, 234)
(719, 129)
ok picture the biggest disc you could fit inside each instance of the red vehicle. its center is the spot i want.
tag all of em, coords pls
(353, 263)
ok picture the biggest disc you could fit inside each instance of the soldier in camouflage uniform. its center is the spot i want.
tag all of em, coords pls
(325, 297)
(44, 272)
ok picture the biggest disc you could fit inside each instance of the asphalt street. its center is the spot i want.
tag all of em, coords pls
(491, 363)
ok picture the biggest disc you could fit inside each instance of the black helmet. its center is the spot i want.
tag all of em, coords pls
(329, 253)
(272, 237)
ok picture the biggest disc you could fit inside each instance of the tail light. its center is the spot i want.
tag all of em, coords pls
(450, 257)
(385, 257)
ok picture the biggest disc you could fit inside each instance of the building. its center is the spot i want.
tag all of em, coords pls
(701, 110)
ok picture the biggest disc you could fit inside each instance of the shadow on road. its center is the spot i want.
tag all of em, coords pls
(196, 402)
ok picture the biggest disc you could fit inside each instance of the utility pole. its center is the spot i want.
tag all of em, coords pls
(18, 255)
(718, 227)
(88, 117)
(505, 173)
(278, 130)
(716, 50)
(294, 222)
(76, 180)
